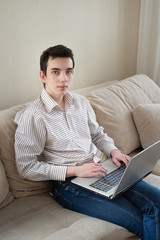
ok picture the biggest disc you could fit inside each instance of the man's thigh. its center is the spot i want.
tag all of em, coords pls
(119, 211)
(143, 193)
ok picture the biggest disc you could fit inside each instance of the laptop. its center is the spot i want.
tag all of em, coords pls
(120, 179)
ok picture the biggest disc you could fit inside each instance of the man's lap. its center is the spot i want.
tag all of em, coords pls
(119, 210)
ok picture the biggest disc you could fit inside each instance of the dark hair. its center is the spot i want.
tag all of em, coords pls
(54, 52)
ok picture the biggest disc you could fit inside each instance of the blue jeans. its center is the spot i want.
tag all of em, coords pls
(138, 209)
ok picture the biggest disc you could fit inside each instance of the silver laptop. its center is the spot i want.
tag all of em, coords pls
(120, 179)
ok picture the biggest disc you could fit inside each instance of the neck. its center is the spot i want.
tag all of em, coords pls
(61, 103)
(59, 100)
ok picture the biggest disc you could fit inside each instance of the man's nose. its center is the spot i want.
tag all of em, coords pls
(63, 77)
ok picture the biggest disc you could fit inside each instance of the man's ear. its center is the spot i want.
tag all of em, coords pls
(42, 76)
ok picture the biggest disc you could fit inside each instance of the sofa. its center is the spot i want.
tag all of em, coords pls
(129, 111)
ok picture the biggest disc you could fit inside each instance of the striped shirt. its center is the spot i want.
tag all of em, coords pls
(49, 138)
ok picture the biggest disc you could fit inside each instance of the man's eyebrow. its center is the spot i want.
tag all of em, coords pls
(58, 69)
(69, 69)
(55, 69)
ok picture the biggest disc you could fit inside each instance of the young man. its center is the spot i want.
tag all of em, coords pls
(56, 139)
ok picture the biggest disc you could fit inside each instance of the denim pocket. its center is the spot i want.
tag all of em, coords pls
(73, 190)
(63, 201)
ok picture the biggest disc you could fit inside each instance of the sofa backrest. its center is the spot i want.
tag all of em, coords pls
(113, 105)
(18, 187)
(5, 195)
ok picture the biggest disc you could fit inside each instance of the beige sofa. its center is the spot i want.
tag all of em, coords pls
(129, 111)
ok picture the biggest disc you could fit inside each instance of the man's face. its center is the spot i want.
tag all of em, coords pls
(58, 76)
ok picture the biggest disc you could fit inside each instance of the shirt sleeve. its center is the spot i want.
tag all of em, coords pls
(102, 141)
(30, 139)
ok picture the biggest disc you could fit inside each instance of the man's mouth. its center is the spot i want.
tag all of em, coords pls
(62, 87)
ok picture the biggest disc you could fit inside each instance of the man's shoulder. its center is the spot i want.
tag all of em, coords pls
(80, 98)
(77, 96)
(33, 109)
(36, 106)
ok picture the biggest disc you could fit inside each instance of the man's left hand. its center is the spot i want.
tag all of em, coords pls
(118, 157)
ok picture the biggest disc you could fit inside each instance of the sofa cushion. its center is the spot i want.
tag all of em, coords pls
(113, 105)
(5, 195)
(19, 187)
(41, 218)
(147, 121)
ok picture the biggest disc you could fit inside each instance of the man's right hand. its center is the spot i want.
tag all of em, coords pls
(87, 170)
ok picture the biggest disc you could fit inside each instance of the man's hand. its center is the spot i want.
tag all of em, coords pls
(96, 169)
(118, 157)
(87, 170)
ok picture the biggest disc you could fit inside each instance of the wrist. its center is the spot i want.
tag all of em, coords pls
(114, 151)
(71, 171)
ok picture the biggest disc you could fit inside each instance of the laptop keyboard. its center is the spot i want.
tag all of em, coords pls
(110, 180)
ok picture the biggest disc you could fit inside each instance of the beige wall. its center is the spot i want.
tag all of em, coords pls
(102, 33)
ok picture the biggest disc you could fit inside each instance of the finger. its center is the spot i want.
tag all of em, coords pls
(116, 162)
(100, 174)
(97, 164)
(100, 168)
(125, 161)
(128, 158)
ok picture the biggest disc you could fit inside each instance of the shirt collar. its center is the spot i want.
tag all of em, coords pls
(50, 103)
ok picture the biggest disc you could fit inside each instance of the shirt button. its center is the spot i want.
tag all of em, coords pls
(87, 152)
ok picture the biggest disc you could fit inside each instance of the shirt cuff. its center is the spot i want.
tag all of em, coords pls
(108, 148)
(58, 173)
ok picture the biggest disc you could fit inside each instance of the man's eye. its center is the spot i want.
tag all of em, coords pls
(69, 72)
(55, 72)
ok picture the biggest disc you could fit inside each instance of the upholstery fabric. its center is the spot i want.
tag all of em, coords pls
(147, 121)
(41, 218)
(5, 195)
(113, 105)
(19, 187)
